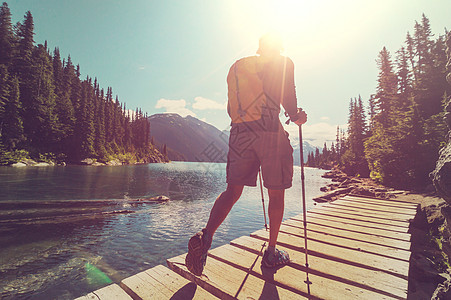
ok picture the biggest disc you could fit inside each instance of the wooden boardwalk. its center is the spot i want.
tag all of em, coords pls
(359, 248)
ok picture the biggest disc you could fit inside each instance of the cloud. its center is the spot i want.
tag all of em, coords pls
(175, 106)
(325, 118)
(316, 134)
(202, 103)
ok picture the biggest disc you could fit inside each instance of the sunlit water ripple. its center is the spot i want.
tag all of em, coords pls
(57, 221)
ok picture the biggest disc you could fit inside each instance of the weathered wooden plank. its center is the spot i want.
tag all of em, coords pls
(112, 291)
(228, 282)
(348, 231)
(381, 202)
(162, 283)
(364, 246)
(358, 277)
(383, 229)
(397, 212)
(181, 287)
(360, 216)
(346, 255)
(357, 226)
(402, 219)
(391, 200)
(382, 206)
(323, 287)
(143, 286)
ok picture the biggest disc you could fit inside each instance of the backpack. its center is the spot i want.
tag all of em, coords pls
(246, 94)
(245, 90)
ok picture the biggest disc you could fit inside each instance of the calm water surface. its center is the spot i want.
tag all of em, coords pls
(66, 231)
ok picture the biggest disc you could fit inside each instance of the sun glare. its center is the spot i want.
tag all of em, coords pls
(254, 18)
(309, 29)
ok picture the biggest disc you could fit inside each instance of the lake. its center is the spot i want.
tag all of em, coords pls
(66, 231)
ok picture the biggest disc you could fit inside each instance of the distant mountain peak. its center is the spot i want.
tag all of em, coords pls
(188, 138)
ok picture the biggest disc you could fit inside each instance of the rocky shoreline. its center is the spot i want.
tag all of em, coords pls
(343, 185)
(84, 162)
(430, 273)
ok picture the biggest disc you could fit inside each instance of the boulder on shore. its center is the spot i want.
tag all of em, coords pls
(114, 162)
(31, 163)
(343, 185)
(88, 161)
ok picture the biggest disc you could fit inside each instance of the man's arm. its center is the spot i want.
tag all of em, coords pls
(289, 101)
(298, 116)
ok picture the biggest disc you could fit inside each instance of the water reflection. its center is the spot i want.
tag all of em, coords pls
(57, 223)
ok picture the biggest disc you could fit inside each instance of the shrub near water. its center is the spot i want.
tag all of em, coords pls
(12, 157)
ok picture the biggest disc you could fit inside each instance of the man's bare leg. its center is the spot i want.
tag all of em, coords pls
(275, 211)
(274, 257)
(222, 207)
(199, 244)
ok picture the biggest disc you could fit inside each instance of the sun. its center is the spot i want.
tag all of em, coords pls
(255, 18)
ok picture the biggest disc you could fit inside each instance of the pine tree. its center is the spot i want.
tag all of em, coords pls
(371, 112)
(147, 134)
(109, 116)
(165, 150)
(118, 133)
(353, 158)
(23, 60)
(4, 90)
(71, 83)
(422, 42)
(40, 119)
(23, 68)
(404, 78)
(99, 123)
(12, 133)
(411, 56)
(86, 131)
(361, 128)
(386, 88)
(64, 108)
(428, 93)
(6, 36)
(379, 147)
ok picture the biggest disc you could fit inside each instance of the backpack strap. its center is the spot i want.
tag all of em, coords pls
(241, 112)
(282, 90)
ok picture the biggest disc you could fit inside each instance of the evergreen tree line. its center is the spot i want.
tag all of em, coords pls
(397, 140)
(48, 112)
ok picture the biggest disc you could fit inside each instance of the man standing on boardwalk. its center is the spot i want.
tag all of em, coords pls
(257, 86)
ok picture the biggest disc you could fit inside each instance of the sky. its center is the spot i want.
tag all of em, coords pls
(174, 56)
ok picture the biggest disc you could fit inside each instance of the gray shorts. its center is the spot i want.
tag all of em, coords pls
(249, 149)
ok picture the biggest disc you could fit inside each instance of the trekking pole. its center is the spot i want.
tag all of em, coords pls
(301, 146)
(263, 199)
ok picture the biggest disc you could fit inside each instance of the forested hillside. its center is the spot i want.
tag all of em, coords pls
(48, 113)
(396, 139)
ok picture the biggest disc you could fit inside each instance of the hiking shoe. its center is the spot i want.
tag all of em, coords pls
(278, 258)
(198, 246)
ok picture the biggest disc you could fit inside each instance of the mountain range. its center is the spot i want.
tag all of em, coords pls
(190, 139)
